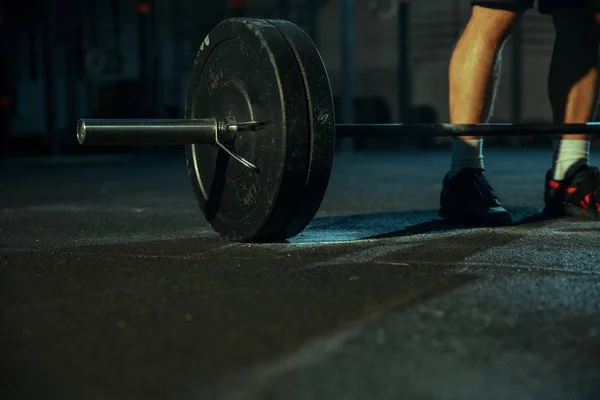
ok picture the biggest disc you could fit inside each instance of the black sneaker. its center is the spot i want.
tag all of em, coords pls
(468, 199)
(577, 196)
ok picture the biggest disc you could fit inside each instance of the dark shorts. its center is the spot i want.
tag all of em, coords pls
(545, 6)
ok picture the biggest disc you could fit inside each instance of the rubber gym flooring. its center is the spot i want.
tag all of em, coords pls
(113, 287)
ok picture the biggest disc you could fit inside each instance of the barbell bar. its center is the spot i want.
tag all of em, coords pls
(260, 165)
(204, 131)
(454, 130)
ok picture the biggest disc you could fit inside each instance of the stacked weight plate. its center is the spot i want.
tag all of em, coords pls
(257, 70)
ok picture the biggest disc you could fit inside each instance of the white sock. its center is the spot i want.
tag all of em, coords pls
(466, 153)
(566, 153)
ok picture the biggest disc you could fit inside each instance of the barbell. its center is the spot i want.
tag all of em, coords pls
(259, 129)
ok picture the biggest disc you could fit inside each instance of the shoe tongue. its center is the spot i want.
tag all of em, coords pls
(480, 184)
(583, 180)
(471, 171)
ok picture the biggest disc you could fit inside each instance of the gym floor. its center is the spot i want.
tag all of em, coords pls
(113, 286)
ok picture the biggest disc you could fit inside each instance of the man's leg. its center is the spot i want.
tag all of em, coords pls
(573, 92)
(473, 76)
(573, 81)
(467, 196)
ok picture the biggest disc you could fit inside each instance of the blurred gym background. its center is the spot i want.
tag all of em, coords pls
(387, 60)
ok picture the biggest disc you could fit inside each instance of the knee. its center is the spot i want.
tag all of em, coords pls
(493, 25)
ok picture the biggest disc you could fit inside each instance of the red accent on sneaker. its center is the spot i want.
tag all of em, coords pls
(557, 185)
(585, 203)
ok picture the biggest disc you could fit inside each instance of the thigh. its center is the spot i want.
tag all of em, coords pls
(512, 5)
(548, 6)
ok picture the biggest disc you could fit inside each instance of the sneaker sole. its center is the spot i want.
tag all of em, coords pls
(501, 217)
(572, 211)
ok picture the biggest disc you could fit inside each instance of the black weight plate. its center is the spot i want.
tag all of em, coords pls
(245, 69)
(322, 123)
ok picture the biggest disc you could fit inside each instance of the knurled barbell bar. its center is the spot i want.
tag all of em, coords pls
(261, 163)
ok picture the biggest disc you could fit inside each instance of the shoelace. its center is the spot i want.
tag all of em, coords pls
(591, 199)
(483, 187)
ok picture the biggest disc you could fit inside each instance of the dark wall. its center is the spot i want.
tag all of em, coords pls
(68, 59)
(104, 58)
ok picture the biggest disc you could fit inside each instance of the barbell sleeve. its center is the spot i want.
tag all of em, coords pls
(450, 130)
(146, 131)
